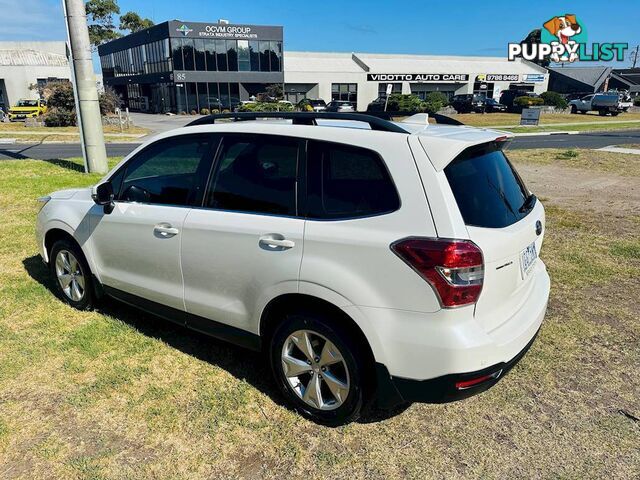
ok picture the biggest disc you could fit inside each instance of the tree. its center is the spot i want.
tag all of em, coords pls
(535, 37)
(133, 22)
(275, 90)
(100, 16)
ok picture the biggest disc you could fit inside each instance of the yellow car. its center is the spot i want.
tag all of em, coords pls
(27, 109)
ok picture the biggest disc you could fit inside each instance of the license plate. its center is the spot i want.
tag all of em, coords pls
(527, 259)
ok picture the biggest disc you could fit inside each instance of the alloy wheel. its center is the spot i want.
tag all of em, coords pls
(70, 276)
(315, 370)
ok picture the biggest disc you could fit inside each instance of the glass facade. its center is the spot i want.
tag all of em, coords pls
(193, 97)
(195, 54)
(154, 57)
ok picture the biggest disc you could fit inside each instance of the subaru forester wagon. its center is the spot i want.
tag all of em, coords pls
(395, 262)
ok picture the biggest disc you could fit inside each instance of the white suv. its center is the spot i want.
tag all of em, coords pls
(397, 262)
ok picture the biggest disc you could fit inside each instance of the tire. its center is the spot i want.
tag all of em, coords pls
(79, 292)
(602, 113)
(349, 371)
(574, 109)
(615, 114)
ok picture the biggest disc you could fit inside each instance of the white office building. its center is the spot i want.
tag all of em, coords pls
(362, 77)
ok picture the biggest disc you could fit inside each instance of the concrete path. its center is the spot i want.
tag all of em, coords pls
(611, 148)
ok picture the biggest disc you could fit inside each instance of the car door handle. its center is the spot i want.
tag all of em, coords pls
(282, 243)
(165, 230)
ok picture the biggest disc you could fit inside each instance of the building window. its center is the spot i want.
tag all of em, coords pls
(188, 53)
(382, 89)
(265, 55)
(345, 91)
(221, 54)
(483, 89)
(178, 64)
(244, 62)
(232, 55)
(199, 55)
(276, 56)
(254, 55)
(210, 55)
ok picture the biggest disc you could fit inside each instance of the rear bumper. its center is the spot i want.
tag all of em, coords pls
(393, 391)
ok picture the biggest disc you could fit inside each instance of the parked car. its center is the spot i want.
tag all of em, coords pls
(317, 105)
(490, 105)
(602, 103)
(377, 105)
(340, 106)
(420, 279)
(625, 101)
(24, 109)
(467, 103)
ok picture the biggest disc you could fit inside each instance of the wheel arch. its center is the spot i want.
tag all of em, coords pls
(274, 311)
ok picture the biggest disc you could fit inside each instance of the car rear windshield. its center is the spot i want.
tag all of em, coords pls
(488, 190)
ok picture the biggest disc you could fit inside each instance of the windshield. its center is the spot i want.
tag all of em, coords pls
(27, 103)
(487, 189)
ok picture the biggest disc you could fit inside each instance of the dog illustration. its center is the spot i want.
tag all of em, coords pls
(564, 28)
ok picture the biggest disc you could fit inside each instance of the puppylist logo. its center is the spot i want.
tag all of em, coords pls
(563, 38)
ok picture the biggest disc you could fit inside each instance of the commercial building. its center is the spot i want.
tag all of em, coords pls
(584, 80)
(362, 77)
(24, 64)
(187, 66)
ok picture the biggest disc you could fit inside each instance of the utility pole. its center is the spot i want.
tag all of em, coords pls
(85, 89)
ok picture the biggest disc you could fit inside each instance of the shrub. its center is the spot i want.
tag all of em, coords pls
(554, 99)
(215, 110)
(434, 97)
(109, 101)
(266, 107)
(58, 117)
(636, 101)
(193, 112)
(182, 112)
(526, 101)
(60, 95)
(204, 111)
(404, 103)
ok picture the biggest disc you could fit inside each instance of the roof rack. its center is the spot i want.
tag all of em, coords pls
(440, 119)
(304, 118)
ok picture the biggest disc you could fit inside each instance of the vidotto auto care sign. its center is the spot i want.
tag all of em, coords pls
(418, 77)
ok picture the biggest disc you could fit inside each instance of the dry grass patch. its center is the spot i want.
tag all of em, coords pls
(116, 393)
(492, 119)
(584, 159)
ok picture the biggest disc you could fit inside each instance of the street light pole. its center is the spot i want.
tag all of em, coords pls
(86, 91)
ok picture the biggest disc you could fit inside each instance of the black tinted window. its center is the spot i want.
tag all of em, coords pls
(346, 181)
(256, 173)
(487, 189)
(167, 172)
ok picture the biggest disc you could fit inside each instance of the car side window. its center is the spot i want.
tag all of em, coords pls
(347, 182)
(168, 172)
(255, 174)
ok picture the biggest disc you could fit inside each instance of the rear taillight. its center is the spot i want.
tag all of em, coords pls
(454, 268)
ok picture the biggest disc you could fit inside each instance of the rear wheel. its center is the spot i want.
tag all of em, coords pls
(602, 113)
(574, 109)
(71, 274)
(318, 368)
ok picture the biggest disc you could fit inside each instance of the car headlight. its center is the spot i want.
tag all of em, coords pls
(42, 201)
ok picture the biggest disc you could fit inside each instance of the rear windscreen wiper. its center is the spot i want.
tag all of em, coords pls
(528, 203)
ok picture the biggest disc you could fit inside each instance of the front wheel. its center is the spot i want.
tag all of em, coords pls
(574, 109)
(318, 368)
(71, 275)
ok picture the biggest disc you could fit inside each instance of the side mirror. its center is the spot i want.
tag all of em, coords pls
(103, 195)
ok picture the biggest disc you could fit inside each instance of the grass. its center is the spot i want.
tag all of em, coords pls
(625, 165)
(116, 393)
(23, 133)
(497, 119)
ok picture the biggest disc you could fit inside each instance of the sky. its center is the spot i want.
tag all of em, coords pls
(434, 27)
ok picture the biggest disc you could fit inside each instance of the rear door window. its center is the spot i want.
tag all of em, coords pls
(488, 190)
(256, 174)
(347, 182)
